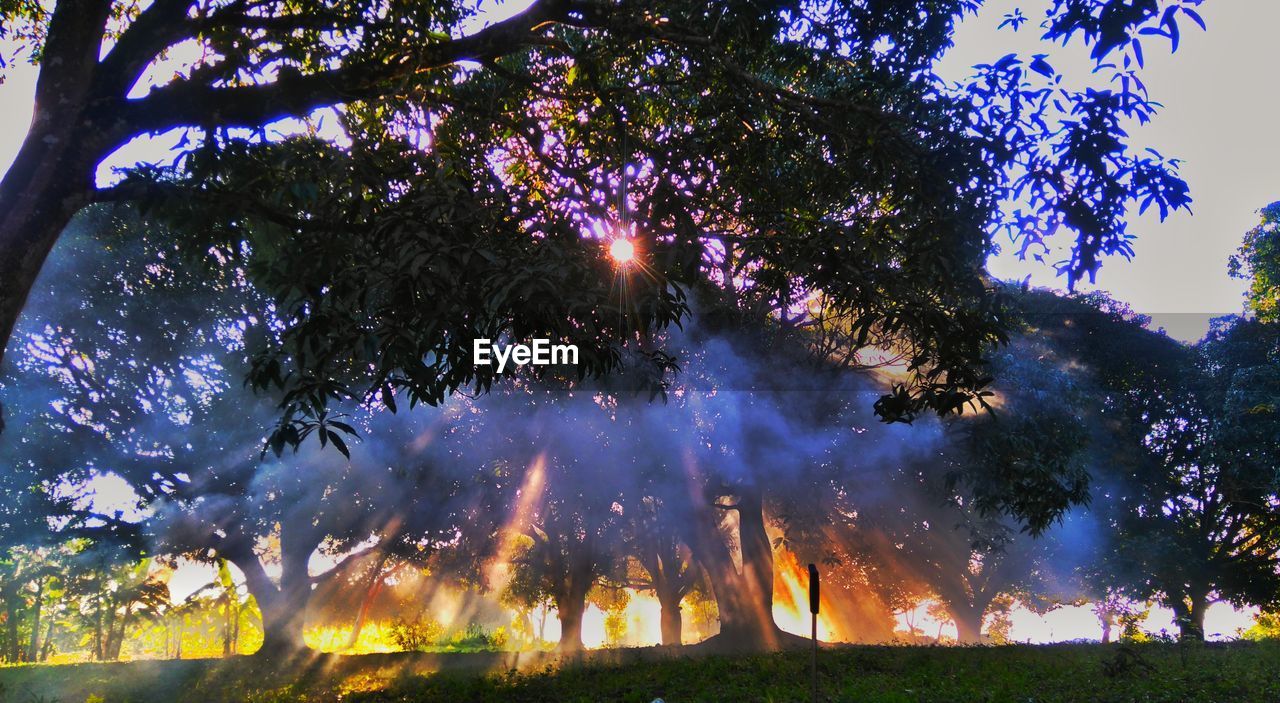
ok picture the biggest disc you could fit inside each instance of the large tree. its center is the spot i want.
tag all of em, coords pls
(967, 511)
(808, 144)
(1186, 480)
(1201, 523)
(131, 377)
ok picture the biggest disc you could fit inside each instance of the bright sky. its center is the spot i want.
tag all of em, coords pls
(1219, 116)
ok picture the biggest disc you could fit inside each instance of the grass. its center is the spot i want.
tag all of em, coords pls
(1157, 672)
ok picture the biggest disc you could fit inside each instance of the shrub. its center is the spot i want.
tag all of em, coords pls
(416, 634)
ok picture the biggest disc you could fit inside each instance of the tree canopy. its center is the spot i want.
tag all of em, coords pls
(792, 152)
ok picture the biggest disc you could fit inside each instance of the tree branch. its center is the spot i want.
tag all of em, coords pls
(186, 103)
(159, 26)
(70, 53)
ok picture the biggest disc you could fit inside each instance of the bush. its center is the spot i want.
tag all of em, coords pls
(417, 634)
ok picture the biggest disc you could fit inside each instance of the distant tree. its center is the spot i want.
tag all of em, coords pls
(1258, 261)
(113, 594)
(131, 372)
(1187, 476)
(28, 577)
(966, 519)
(569, 514)
(1202, 522)
(653, 535)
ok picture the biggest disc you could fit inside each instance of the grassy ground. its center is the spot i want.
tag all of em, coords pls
(1026, 674)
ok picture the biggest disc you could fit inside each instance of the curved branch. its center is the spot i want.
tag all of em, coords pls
(187, 102)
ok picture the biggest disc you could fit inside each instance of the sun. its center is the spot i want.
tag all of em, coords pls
(622, 251)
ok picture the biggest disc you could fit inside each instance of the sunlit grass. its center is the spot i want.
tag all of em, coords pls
(375, 638)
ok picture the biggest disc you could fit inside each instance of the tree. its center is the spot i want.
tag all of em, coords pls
(775, 132)
(974, 509)
(654, 540)
(1202, 523)
(1258, 261)
(136, 363)
(568, 516)
(1188, 480)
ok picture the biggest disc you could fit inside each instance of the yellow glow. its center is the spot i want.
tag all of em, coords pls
(622, 251)
(375, 637)
(791, 599)
(530, 496)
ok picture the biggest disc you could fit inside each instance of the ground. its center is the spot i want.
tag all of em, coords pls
(1241, 671)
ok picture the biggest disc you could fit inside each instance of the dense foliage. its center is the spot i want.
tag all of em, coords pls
(797, 153)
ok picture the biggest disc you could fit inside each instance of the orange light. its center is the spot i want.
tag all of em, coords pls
(622, 251)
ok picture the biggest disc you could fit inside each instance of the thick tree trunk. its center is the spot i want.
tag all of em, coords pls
(1189, 614)
(570, 612)
(50, 180)
(284, 616)
(968, 622)
(571, 602)
(744, 596)
(52, 176)
(670, 619)
(281, 628)
(670, 577)
(283, 607)
(757, 552)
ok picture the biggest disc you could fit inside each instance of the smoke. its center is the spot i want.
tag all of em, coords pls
(442, 486)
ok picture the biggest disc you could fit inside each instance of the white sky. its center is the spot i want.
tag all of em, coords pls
(1219, 116)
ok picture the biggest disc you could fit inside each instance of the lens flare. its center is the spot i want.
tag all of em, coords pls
(622, 251)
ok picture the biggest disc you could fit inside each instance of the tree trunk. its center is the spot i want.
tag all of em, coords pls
(11, 636)
(52, 176)
(968, 622)
(34, 651)
(283, 607)
(47, 649)
(115, 638)
(108, 628)
(97, 629)
(744, 597)
(371, 589)
(670, 580)
(670, 619)
(571, 602)
(1189, 614)
(229, 616)
(757, 553)
(570, 613)
(235, 626)
(50, 180)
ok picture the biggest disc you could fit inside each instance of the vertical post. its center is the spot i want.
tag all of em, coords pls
(814, 600)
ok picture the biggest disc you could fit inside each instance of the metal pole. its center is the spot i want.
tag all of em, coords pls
(813, 663)
(814, 601)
